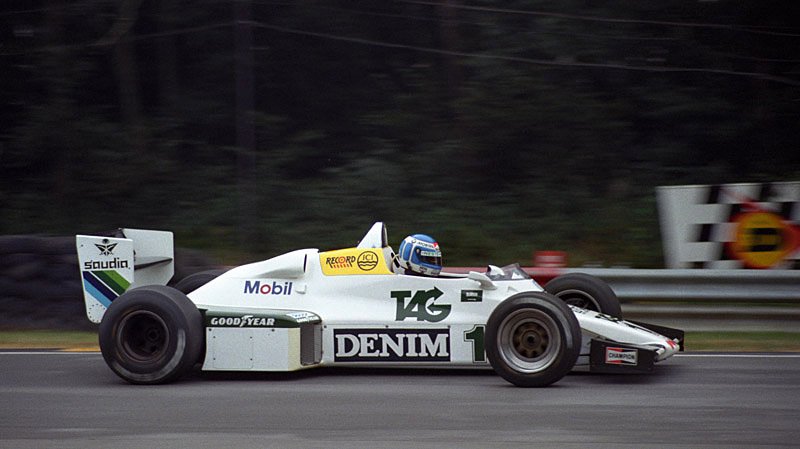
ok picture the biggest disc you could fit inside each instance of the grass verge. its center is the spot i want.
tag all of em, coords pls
(695, 341)
(49, 339)
(743, 341)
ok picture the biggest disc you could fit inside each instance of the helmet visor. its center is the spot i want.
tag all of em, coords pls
(429, 257)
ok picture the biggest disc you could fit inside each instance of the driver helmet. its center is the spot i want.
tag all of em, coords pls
(419, 253)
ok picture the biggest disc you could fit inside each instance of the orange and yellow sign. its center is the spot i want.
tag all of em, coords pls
(763, 239)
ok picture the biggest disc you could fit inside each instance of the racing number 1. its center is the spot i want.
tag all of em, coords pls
(476, 337)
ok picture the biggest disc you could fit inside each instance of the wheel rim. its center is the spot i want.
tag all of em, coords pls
(529, 341)
(580, 299)
(143, 336)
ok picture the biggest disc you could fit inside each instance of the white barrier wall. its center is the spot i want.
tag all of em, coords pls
(731, 226)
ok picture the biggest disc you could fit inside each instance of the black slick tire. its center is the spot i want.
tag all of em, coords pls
(196, 280)
(585, 291)
(532, 339)
(151, 335)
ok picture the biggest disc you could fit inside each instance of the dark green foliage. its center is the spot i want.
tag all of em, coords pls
(499, 127)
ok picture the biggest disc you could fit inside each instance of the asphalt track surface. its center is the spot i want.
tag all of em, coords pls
(63, 400)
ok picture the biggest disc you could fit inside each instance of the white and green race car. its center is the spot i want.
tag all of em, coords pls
(310, 308)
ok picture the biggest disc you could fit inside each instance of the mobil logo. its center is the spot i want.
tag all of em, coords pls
(259, 287)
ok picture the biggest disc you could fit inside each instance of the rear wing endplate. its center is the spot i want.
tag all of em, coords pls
(110, 266)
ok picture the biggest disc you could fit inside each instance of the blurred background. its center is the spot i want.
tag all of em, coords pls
(253, 127)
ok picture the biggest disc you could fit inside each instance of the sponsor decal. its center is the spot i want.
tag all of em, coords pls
(241, 321)
(471, 295)
(260, 320)
(105, 264)
(265, 288)
(335, 262)
(391, 345)
(350, 261)
(106, 249)
(420, 305)
(622, 356)
(367, 260)
(303, 317)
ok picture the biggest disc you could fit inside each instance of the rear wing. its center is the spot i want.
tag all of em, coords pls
(111, 265)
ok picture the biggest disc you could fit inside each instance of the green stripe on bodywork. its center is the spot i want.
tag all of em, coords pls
(114, 281)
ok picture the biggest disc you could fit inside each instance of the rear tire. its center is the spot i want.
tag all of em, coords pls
(532, 339)
(196, 280)
(151, 335)
(585, 291)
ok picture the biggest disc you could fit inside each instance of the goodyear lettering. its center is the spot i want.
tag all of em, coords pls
(105, 264)
(241, 321)
(257, 288)
(421, 305)
(392, 345)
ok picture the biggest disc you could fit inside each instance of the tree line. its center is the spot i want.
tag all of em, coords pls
(251, 127)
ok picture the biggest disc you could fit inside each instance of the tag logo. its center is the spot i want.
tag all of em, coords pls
(421, 305)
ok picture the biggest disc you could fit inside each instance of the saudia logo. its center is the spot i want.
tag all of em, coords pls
(106, 249)
(392, 345)
(421, 305)
(105, 264)
(257, 288)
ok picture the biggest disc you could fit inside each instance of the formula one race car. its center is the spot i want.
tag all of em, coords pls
(347, 307)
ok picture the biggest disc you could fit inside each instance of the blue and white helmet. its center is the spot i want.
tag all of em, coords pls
(420, 253)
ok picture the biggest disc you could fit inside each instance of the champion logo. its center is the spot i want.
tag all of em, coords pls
(622, 356)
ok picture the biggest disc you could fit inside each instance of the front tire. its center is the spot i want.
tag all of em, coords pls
(532, 339)
(585, 291)
(151, 335)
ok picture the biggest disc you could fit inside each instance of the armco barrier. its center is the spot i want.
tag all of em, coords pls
(685, 285)
(702, 285)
